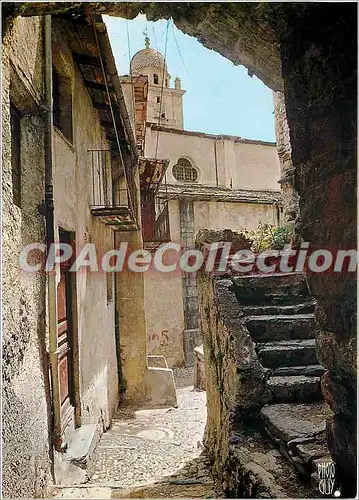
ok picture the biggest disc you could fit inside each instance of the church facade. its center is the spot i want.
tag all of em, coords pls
(211, 182)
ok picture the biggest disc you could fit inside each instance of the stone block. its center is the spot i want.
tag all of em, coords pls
(160, 387)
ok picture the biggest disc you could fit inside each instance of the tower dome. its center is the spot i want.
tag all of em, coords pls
(146, 58)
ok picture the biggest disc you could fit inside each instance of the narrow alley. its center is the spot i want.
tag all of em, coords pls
(179, 250)
(152, 453)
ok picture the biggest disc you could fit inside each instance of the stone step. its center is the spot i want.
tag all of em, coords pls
(304, 307)
(76, 464)
(281, 327)
(298, 429)
(287, 353)
(284, 288)
(309, 371)
(293, 389)
(295, 423)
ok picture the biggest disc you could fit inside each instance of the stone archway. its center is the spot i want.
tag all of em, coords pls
(308, 51)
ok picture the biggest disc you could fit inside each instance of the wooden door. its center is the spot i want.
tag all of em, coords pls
(65, 341)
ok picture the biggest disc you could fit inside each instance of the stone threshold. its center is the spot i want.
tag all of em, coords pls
(74, 466)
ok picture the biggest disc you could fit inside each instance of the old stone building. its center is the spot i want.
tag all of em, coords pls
(71, 176)
(212, 181)
(313, 62)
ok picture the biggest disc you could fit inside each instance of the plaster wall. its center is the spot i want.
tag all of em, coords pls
(164, 316)
(165, 331)
(239, 165)
(235, 216)
(26, 387)
(256, 166)
(94, 312)
(26, 450)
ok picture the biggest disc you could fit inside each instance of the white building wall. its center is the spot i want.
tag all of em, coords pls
(95, 316)
(234, 164)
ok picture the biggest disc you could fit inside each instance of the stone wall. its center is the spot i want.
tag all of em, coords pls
(290, 199)
(319, 67)
(191, 333)
(235, 381)
(247, 465)
(26, 414)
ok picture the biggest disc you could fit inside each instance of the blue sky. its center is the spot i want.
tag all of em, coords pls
(220, 98)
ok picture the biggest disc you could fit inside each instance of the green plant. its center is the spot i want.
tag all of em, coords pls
(267, 236)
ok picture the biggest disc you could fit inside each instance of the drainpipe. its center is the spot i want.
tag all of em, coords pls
(121, 384)
(215, 159)
(50, 236)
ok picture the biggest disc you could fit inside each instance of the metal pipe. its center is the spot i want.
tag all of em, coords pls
(50, 234)
(215, 159)
(121, 382)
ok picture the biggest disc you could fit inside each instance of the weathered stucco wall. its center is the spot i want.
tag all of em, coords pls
(26, 451)
(165, 332)
(219, 161)
(26, 391)
(132, 324)
(95, 314)
(235, 216)
(164, 316)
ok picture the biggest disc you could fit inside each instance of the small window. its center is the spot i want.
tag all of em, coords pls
(158, 100)
(62, 103)
(15, 155)
(166, 82)
(184, 171)
(155, 79)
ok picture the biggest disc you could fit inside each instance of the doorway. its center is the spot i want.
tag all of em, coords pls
(67, 340)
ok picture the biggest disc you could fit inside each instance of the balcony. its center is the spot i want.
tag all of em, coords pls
(155, 222)
(155, 230)
(162, 226)
(110, 197)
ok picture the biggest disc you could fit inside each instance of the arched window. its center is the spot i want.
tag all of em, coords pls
(155, 79)
(183, 171)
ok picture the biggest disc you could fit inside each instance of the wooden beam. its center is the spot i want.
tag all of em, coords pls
(102, 105)
(97, 85)
(87, 60)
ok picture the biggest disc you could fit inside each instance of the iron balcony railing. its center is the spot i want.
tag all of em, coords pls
(110, 200)
(163, 225)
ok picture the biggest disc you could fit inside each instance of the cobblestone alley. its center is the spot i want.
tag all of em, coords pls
(152, 453)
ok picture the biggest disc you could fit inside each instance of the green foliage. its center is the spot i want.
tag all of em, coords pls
(267, 236)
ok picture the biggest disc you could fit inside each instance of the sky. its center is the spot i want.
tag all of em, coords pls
(220, 98)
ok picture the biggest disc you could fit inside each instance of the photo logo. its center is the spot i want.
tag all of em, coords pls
(326, 476)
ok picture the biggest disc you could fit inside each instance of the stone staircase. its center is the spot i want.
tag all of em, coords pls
(279, 315)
